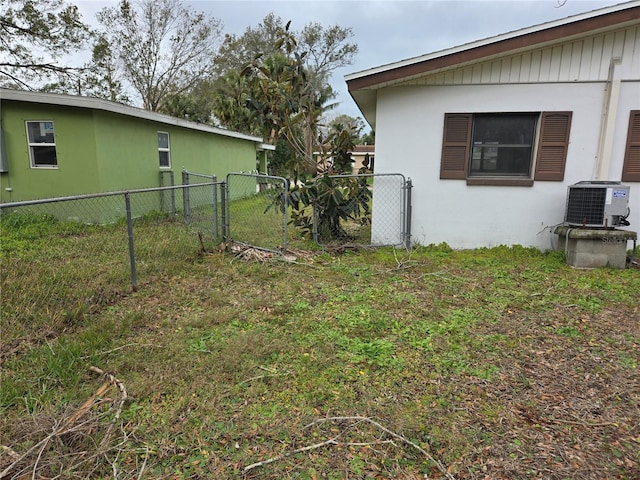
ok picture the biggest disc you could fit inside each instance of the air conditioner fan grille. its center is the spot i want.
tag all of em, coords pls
(586, 206)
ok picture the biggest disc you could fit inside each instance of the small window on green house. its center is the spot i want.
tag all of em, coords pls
(164, 153)
(42, 145)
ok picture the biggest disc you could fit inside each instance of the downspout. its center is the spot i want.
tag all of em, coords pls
(607, 128)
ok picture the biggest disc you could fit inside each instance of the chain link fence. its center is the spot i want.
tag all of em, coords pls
(357, 210)
(257, 211)
(49, 248)
(363, 210)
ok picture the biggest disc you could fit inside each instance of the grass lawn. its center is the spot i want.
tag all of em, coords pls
(489, 364)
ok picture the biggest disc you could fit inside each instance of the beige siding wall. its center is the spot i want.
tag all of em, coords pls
(585, 60)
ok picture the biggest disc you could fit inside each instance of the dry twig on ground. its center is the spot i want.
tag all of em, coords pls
(33, 457)
(334, 441)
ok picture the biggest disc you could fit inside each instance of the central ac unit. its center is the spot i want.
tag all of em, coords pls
(597, 204)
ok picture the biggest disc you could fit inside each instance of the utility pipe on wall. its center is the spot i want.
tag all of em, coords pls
(607, 127)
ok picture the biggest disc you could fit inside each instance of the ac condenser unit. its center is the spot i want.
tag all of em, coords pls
(597, 204)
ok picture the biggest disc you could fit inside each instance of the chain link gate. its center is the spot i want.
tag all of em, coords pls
(366, 210)
(257, 211)
(358, 210)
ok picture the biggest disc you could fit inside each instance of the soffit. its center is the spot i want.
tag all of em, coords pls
(570, 29)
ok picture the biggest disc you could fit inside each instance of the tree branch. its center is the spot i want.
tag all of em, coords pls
(334, 441)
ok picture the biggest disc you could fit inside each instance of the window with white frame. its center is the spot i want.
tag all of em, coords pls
(164, 152)
(42, 144)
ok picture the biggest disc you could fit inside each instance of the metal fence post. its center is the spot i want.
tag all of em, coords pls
(185, 197)
(285, 216)
(215, 207)
(173, 196)
(407, 214)
(316, 219)
(223, 210)
(132, 253)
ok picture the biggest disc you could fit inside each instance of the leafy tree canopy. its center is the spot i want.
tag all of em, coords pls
(163, 47)
(34, 36)
(355, 124)
(237, 51)
(322, 49)
(368, 138)
(286, 89)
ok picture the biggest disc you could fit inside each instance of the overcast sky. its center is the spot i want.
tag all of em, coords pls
(387, 31)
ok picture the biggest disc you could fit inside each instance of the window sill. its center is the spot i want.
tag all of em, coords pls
(506, 182)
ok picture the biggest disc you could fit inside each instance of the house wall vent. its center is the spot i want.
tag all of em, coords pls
(597, 204)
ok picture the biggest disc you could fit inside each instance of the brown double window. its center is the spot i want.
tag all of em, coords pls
(500, 148)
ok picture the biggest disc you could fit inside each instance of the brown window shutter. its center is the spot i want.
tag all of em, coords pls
(631, 166)
(553, 145)
(456, 146)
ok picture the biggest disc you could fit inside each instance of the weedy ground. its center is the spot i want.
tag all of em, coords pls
(496, 363)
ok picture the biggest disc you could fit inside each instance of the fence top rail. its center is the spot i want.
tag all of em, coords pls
(202, 175)
(100, 195)
(360, 175)
(256, 175)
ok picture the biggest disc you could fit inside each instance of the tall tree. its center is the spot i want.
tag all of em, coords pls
(235, 106)
(101, 77)
(286, 100)
(327, 49)
(164, 46)
(34, 36)
(195, 104)
(287, 87)
(368, 138)
(355, 124)
(294, 105)
(237, 51)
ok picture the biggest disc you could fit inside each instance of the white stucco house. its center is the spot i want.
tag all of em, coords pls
(493, 132)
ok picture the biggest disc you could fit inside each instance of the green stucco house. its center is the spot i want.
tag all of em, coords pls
(60, 145)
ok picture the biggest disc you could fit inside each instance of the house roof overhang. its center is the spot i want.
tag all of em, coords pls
(113, 107)
(363, 85)
(265, 146)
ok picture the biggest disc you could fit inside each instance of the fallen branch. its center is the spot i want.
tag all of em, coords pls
(203, 249)
(70, 424)
(123, 398)
(389, 432)
(10, 451)
(583, 423)
(331, 441)
(250, 254)
(120, 348)
(334, 441)
(258, 377)
(271, 373)
(402, 264)
(442, 274)
(144, 463)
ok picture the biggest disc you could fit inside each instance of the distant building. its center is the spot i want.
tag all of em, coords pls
(362, 155)
(59, 145)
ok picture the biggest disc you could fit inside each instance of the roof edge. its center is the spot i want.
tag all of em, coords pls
(504, 43)
(119, 108)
